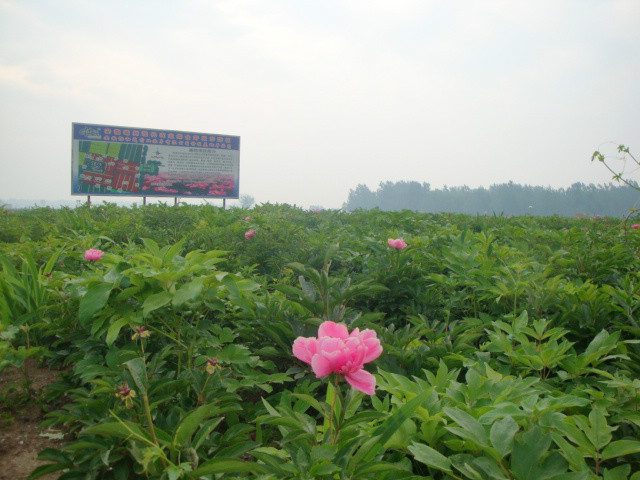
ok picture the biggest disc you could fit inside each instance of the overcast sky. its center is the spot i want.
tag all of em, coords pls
(329, 94)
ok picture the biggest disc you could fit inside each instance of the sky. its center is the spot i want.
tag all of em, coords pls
(327, 95)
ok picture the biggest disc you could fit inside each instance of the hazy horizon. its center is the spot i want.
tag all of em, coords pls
(327, 96)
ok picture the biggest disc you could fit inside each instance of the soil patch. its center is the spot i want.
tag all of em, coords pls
(21, 439)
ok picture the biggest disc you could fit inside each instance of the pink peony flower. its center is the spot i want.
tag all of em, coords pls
(338, 351)
(247, 219)
(92, 254)
(397, 243)
(249, 234)
(635, 226)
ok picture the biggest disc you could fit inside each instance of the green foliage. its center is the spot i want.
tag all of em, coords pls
(511, 345)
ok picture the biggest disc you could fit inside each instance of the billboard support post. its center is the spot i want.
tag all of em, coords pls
(89, 201)
(144, 200)
(224, 203)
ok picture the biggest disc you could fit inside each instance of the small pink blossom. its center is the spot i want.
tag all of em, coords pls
(92, 254)
(597, 216)
(246, 219)
(335, 350)
(397, 243)
(585, 229)
(249, 234)
(635, 226)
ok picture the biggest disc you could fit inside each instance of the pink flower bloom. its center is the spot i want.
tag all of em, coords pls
(597, 216)
(249, 234)
(635, 226)
(335, 350)
(397, 243)
(92, 255)
(585, 229)
(247, 219)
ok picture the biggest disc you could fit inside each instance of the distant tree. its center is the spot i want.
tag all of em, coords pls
(501, 199)
(246, 201)
(361, 197)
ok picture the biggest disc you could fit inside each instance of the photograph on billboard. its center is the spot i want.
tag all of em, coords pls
(132, 161)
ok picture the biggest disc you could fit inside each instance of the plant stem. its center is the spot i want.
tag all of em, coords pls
(333, 406)
(202, 392)
(147, 410)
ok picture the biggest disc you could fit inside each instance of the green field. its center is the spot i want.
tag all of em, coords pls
(510, 346)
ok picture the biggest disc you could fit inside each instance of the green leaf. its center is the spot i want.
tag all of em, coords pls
(490, 467)
(365, 471)
(315, 403)
(381, 435)
(190, 424)
(234, 354)
(502, 434)
(53, 455)
(137, 369)
(230, 283)
(121, 430)
(114, 330)
(528, 449)
(43, 470)
(600, 432)
(202, 435)
(527, 456)
(619, 448)
(155, 301)
(618, 473)
(572, 454)
(334, 398)
(226, 465)
(323, 452)
(427, 455)
(470, 428)
(464, 463)
(323, 468)
(174, 472)
(171, 252)
(573, 476)
(188, 292)
(93, 301)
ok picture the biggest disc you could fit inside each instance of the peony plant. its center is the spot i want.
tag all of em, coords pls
(93, 254)
(335, 350)
(397, 243)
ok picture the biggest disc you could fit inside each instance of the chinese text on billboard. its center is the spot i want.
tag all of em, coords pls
(110, 160)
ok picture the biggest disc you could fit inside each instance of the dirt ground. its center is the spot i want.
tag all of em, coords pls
(21, 439)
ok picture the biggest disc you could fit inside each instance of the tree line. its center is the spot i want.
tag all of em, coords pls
(500, 199)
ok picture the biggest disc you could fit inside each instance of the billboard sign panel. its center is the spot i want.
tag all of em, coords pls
(128, 161)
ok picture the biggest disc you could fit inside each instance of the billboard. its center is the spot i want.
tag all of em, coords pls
(128, 161)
